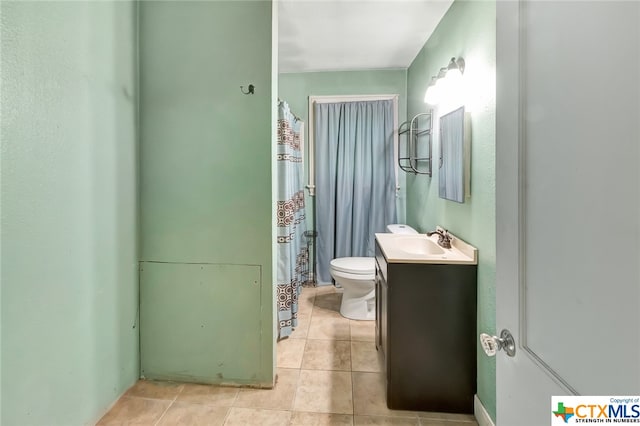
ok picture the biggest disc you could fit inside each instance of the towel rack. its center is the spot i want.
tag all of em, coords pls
(417, 154)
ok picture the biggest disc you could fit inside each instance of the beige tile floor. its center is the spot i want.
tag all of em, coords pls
(328, 374)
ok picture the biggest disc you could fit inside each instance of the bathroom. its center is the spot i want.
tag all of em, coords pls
(467, 29)
(142, 172)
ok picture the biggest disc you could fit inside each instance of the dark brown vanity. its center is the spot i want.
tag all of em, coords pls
(426, 329)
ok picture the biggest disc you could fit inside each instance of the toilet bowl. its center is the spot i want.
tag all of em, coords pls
(356, 275)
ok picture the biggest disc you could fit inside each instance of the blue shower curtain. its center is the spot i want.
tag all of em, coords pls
(355, 178)
(292, 253)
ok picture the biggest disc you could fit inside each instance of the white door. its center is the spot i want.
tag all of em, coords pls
(568, 195)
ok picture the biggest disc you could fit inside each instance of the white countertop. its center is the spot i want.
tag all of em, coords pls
(401, 248)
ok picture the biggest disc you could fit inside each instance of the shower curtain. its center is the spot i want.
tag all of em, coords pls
(355, 178)
(292, 253)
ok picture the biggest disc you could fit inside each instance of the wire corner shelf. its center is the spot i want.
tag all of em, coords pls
(416, 157)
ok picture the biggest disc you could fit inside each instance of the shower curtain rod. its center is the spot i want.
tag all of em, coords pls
(294, 116)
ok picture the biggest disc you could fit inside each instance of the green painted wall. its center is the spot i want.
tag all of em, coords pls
(206, 188)
(295, 88)
(467, 30)
(69, 202)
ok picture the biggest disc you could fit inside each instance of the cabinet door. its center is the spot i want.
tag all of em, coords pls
(383, 298)
(378, 310)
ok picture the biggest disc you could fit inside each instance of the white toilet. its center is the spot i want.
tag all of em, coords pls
(356, 275)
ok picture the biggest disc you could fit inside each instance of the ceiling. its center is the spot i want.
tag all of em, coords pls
(330, 35)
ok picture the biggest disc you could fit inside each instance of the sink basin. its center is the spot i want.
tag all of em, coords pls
(420, 246)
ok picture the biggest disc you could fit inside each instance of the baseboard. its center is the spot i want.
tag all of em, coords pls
(482, 417)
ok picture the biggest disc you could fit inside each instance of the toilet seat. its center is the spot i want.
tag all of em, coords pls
(354, 265)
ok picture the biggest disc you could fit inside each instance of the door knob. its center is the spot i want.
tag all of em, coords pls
(492, 344)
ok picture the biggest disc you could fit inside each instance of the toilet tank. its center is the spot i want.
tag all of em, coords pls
(397, 228)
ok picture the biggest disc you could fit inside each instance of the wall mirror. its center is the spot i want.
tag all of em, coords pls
(455, 156)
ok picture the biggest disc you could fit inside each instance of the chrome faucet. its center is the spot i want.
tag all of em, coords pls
(444, 238)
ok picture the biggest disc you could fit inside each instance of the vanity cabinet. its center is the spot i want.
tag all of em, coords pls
(426, 334)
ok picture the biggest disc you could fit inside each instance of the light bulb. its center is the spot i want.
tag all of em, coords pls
(454, 73)
(442, 86)
(432, 95)
(454, 77)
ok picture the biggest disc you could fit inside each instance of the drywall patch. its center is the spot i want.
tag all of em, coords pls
(195, 320)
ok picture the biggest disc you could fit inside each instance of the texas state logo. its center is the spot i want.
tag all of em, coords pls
(565, 413)
(595, 409)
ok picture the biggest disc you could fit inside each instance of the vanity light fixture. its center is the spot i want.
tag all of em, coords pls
(448, 77)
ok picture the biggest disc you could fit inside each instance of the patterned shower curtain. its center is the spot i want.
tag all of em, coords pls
(292, 251)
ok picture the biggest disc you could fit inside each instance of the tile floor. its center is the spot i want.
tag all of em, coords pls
(328, 374)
